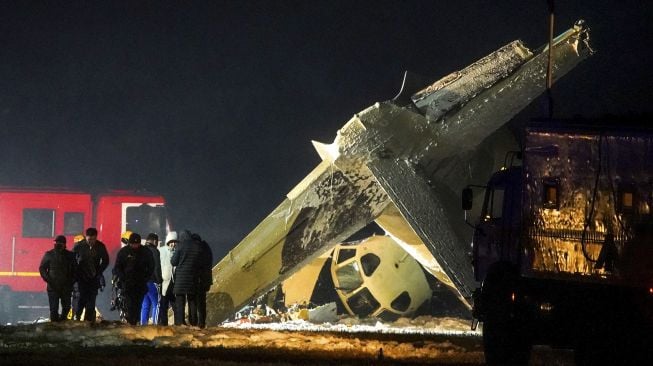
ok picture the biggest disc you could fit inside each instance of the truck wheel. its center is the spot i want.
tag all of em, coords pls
(506, 339)
(504, 343)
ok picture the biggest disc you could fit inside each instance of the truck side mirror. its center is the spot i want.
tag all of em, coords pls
(467, 199)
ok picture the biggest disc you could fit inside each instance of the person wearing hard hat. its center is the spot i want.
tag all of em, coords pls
(57, 269)
(133, 268)
(124, 238)
(167, 295)
(78, 238)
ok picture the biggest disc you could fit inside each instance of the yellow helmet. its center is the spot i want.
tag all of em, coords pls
(124, 238)
(78, 238)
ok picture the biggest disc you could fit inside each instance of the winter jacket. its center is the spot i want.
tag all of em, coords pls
(91, 262)
(206, 273)
(166, 268)
(188, 262)
(58, 270)
(133, 268)
(156, 273)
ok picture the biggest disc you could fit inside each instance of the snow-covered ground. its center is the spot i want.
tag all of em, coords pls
(419, 325)
(424, 340)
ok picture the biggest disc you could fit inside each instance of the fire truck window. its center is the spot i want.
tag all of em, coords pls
(496, 205)
(349, 277)
(73, 223)
(363, 303)
(551, 197)
(145, 219)
(38, 223)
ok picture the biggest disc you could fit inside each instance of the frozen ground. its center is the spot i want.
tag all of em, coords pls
(424, 340)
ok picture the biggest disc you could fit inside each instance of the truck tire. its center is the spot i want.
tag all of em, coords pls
(506, 339)
(504, 343)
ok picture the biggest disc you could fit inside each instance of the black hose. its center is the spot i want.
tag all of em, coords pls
(591, 213)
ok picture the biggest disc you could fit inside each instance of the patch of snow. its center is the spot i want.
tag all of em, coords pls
(419, 325)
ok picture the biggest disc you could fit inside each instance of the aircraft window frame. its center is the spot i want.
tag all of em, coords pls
(370, 262)
(363, 303)
(399, 303)
(349, 277)
(345, 254)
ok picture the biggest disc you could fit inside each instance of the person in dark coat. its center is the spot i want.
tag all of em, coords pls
(205, 280)
(134, 267)
(188, 261)
(58, 271)
(151, 300)
(92, 259)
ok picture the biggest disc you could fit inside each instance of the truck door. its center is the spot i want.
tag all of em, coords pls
(497, 233)
(487, 234)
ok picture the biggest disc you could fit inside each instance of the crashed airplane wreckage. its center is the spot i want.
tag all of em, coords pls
(396, 163)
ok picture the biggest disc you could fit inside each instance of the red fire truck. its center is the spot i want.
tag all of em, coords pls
(30, 218)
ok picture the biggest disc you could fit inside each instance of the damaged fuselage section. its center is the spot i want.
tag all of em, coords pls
(397, 164)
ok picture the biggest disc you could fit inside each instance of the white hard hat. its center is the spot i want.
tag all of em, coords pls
(171, 236)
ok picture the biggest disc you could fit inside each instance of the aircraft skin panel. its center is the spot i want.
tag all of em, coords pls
(424, 213)
(324, 209)
(457, 88)
(299, 287)
(466, 127)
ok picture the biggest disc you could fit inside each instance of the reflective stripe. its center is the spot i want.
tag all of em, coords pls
(20, 274)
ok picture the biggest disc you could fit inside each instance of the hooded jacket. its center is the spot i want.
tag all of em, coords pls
(165, 254)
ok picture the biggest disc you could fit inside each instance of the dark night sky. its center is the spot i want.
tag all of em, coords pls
(213, 104)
